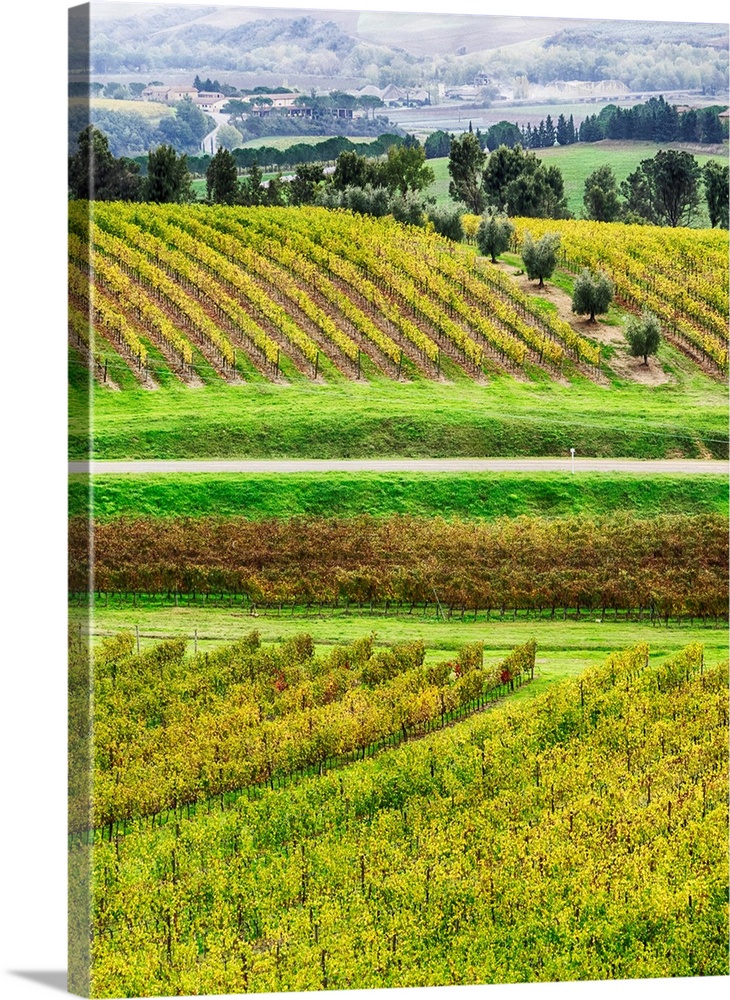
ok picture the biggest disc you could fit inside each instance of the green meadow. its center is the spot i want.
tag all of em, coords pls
(467, 495)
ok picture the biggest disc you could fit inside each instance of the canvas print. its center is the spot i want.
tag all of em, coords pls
(398, 507)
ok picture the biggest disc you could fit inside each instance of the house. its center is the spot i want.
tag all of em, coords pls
(155, 94)
(417, 98)
(175, 94)
(464, 93)
(168, 95)
(278, 102)
(392, 96)
(209, 98)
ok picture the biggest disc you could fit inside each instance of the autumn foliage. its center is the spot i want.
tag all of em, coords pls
(668, 565)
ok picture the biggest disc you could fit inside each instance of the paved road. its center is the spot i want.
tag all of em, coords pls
(670, 466)
(209, 143)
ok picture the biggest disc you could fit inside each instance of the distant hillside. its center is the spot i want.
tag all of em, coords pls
(320, 48)
(582, 33)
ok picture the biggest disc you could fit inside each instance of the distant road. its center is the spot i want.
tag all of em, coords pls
(143, 467)
(209, 143)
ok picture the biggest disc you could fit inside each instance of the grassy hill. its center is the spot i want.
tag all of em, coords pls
(152, 111)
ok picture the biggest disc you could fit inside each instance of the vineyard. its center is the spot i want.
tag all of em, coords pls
(680, 274)
(284, 294)
(298, 294)
(317, 806)
(665, 566)
(171, 734)
(580, 834)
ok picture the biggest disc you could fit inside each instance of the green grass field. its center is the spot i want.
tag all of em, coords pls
(565, 648)
(381, 418)
(538, 112)
(152, 111)
(580, 160)
(576, 163)
(481, 495)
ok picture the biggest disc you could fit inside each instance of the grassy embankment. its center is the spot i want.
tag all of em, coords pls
(468, 495)
(419, 419)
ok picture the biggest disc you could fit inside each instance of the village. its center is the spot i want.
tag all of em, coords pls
(355, 104)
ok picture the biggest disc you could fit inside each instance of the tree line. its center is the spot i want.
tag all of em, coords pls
(301, 152)
(390, 164)
(655, 121)
(664, 190)
(504, 133)
(95, 174)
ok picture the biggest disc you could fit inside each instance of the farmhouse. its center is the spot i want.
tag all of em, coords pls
(287, 104)
(274, 102)
(155, 94)
(206, 98)
(168, 95)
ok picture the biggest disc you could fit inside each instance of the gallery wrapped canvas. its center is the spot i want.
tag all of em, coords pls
(397, 499)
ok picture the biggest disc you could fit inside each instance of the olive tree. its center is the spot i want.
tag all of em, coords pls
(643, 334)
(447, 222)
(592, 293)
(540, 258)
(494, 235)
